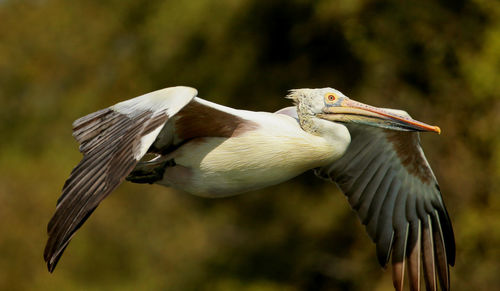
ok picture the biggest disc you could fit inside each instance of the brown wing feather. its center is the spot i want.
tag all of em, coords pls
(389, 183)
(428, 256)
(108, 141)
(413, 256)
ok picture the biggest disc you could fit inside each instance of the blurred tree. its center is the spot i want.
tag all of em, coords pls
(59, 60)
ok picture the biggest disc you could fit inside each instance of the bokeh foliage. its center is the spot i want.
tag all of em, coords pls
(59, 60)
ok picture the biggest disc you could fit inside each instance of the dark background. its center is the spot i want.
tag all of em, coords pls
(59, 60)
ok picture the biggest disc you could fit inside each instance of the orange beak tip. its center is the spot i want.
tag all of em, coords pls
(437, 129)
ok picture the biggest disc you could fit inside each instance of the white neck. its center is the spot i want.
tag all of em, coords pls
(334, 133)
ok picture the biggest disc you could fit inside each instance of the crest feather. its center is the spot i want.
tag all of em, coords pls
(292, 94)
(295, 94)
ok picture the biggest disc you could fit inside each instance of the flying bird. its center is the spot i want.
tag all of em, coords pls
(173, 138)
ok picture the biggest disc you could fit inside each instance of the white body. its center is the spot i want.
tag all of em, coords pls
(274, 152)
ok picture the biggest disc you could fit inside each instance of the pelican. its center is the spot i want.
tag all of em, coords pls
(173, 138)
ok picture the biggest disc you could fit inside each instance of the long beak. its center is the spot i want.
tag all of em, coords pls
(357, 112)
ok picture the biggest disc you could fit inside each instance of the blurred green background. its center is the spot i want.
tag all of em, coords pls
(59, 60)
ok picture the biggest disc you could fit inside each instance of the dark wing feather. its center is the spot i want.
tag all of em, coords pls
(112, 141)
(388, 181)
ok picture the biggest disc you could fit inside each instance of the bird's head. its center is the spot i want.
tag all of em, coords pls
(330, 104)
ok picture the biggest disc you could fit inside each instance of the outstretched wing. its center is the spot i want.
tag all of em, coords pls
(389, 183)
(112, 141)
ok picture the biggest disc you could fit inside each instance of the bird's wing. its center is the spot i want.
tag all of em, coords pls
(112, 141)
(389, 183)
(289, 111)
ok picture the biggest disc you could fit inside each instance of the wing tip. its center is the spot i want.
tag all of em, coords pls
(51, 267)
(53, 252)
(52, 262)
(384, 250)
(398, 272)
(49, 258)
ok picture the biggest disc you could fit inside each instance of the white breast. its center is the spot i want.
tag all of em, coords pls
(275, 152)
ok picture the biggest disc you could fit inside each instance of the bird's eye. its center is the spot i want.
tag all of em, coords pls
(330, 97)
